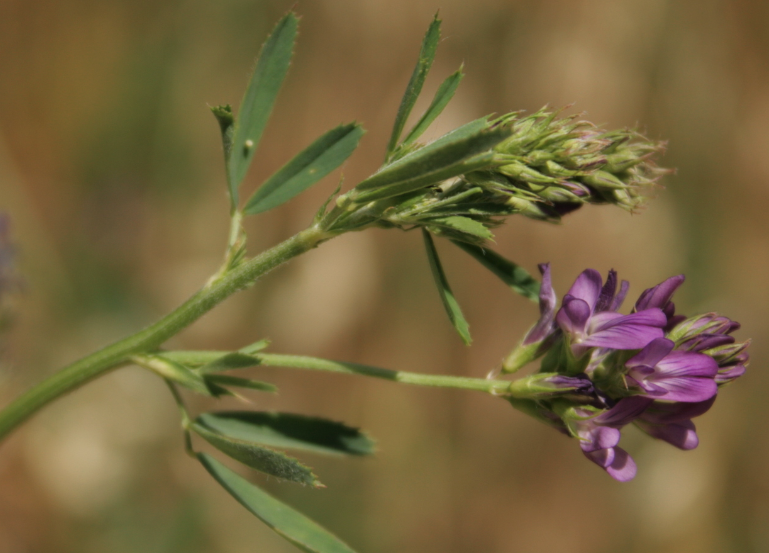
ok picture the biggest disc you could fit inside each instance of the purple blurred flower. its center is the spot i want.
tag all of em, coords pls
(599, 436)
(672, 422)
(588, 316)
(672, 375)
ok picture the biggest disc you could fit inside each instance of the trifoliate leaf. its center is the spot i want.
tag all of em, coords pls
(262, 90)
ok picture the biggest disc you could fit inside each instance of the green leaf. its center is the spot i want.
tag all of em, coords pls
(465, 226)
(271, 69)
(230, 361)
(237, 382)
(447, 296)
(511, 274)
(255, 347)
(290, 431)
(463, 143)
(442, 97)
(308, 167)
(424, 180)
(263, 459)
(426, 56)
(307, 535)
(175, 372)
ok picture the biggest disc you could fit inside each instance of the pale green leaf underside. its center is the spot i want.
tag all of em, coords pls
(442, 97)
(238, 382)
(284, 430)
(447, 296)
(306, 534)
(271, 68)
(230, 361)
(465, 225)
(516, 277)
(268, 461)
(308, 167)
(426, 56)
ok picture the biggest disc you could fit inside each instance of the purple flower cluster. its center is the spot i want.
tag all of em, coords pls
(653, 368)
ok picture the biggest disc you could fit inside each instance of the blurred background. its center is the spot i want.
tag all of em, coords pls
(111, 169)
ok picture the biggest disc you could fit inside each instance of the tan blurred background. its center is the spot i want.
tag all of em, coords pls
(111, 168)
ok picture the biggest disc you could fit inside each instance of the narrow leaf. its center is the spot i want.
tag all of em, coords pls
(442, 97)
(465, 225)
(447, 296)
(230, 361)
(237, 382)
(271, 69)
(426, 179)
(426, 56)
(307, 535)
(260, 458)
(285, 430)
(308, 167)
(175, 372)
(255, 347)
(511, 274)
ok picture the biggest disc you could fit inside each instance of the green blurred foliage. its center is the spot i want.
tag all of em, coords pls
(110, 164)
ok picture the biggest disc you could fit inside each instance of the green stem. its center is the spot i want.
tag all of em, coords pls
(517, 388)
(149, 339)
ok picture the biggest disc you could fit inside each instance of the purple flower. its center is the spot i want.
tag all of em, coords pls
(672, 375)
(588, 317)
(672, 422)
(547, 300)
(659, 297)
(710, 334)
(599, 436)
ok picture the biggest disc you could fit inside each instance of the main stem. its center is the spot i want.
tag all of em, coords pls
(117, 354)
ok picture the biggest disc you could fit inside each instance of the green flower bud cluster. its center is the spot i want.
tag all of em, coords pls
(539, 165)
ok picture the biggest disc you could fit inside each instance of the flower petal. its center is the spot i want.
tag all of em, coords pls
(601, 457)
(654, 352)
(622, 467)
(573, 315)
(688, 389)
(606, 297)
(587, 287)
(659, 295)
(647, 317)
(623, 337)
(681, 434)
(593, 437)
(659, 413)
(625, 411)
(685, 363)
(620, 297)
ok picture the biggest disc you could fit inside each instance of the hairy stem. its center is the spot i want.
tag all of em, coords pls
(149, 339)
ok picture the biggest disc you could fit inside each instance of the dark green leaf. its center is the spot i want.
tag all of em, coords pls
(426, 56)
(285, 430)
(447, 296)
(271, 69)
(308, 167)
(442, 97)
(292, 525)
(260, 458)
(461, 144)
(230, 361)
(237, 382)
(511, 274)
(426, 179)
